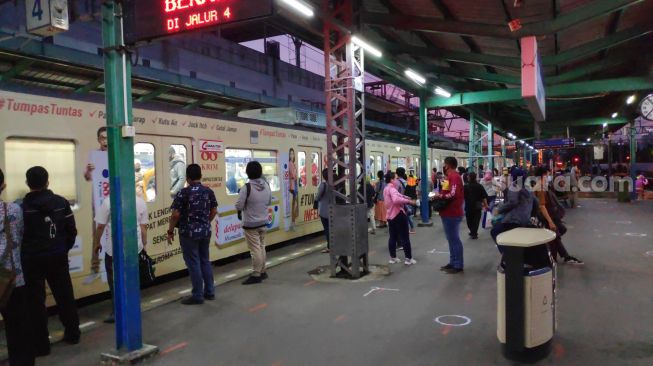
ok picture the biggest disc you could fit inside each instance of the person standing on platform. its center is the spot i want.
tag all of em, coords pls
(370, 197)
(293, 187)
(379, 208)
(177, 171)
(452, 215)
(102, 239)
(403, 188)
(574, 173)
(253, 200)
(50, 233)
(395, 204)
(194, 208)
(640, 185)
(475, 202)
(323, 199)
(15, 313)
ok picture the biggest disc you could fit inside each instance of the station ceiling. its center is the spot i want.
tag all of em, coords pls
(595, 54)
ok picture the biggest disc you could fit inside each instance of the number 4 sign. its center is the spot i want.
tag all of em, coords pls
(46, 17)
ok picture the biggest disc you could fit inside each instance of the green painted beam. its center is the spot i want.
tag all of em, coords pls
(560, 90)
(197, 103)
(583, 122)
(90, 86)
(153, 94)
(16, 69)
(473, 75)
(587, 70)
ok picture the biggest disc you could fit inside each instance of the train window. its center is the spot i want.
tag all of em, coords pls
(301, 168)
(177, 164)
(57, 156)
(379, 164)
(145, 171)
(236, 160)
(268, 160)
(315, 169)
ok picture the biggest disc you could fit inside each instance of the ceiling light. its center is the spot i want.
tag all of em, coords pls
(419, 79)
(301, 7)
(442, 92)
(631, 99)
(589, 139)
(521, 141)
(615, 115)
(366, 46)
(398, 148)
(605, 124)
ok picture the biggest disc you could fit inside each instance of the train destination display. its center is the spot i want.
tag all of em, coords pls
(151, 19)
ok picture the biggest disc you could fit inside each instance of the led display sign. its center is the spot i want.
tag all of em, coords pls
(150, 19)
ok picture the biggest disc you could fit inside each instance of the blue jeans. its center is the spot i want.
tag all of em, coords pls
(452, 232)
(325, 224)
(196, 256)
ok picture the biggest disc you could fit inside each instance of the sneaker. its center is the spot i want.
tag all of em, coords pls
(109, 319)
(191, 301)
(209, 297)
(394, 260)
(71, 339)
(410, 261)
(264, 276)
(373, 232)
(400, 248)
(474, 237)
(444, 268)
(453, 270)
(251, 280)
(325, 250)
(412, 231)
(573, 260)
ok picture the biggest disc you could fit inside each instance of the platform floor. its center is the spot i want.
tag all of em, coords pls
(604, 315)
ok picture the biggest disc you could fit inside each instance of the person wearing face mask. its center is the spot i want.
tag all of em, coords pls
(395, 204)
(452, 215)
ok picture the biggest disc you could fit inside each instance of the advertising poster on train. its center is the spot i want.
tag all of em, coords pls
(99, 177)
(228, 228)
(285, 189)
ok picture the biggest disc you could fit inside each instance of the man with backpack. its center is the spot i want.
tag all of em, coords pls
(406, 190)
(370, 200)
(193, 209)
(50, 233)
(253, 200)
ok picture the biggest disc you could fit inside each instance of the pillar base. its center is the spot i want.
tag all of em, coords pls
(528, 355)
(423, 224)
(128, 358)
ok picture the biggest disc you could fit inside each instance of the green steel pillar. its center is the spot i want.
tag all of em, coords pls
(503, 152)
(472, 142)
(117, 81)
(423, 160)
(633, 159)
(490, 146)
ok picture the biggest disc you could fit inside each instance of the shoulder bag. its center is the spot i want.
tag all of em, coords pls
(7, 276)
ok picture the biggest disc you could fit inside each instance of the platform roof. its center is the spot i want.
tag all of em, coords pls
(595, 54)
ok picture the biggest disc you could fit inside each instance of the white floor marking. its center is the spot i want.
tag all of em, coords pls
(156, 300)
(282, 258)
(230, 276)
(435, 251)
(268, 263)
(86, 325)
(649, 253)
(636, 235)
(379, 289)
(465, 319)
(296, 253)
(185, 291)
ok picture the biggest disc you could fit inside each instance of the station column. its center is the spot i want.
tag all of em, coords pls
(490, 147)
(633, 159)
(423, 148)
(472, 142)
(120, 133)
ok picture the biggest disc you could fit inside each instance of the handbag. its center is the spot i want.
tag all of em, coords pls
(7, 276)
(146, 268)
(439, 204)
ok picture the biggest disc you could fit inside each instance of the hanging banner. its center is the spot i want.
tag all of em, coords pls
(532, 82)
(598, 152)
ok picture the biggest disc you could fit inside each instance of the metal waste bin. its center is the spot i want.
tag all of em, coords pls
(525, 297)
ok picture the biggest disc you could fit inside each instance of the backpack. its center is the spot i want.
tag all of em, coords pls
(249, 191)
(553, 206)
(411, 191)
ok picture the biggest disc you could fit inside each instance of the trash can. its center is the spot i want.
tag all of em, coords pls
(525, 296)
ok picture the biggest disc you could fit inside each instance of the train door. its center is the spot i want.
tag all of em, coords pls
(309, 177)
(160, 172)
(376, 163)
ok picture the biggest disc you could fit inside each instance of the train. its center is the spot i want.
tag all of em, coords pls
(60, 133)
